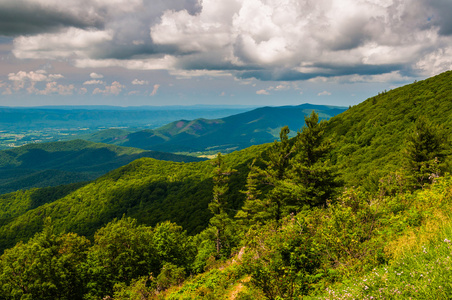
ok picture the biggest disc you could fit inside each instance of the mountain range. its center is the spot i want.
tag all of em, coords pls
(239, 131)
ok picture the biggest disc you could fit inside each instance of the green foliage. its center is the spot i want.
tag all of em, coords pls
(369, 137)
(139, 289)
(170, 275)
(49, 266)
(58, 163)
(425, 153)
(121, 252)
(300, 237)
(283, 262)
(220, 219)
(148, 190)
(297, 173)
(312, 178)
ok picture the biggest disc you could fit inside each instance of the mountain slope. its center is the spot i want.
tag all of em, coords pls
(56, 163)
(370, 137)
(239, 131)
(149, 190)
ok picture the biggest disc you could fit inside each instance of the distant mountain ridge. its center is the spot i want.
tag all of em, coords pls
(36, 118)
(258, 126)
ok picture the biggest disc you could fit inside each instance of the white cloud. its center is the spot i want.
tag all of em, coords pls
(324, 93)
(22, 79)
(114, 89)
(91, 82)
(96, 76)
(55, 88)
(262, 92)
(154, 91)
(39, 75)
(139, 82)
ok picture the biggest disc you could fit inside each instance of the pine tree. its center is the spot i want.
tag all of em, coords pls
(268, 178)
(218, 205)
(254, 209)
(274, 174)
(425, 152)
(312, 179)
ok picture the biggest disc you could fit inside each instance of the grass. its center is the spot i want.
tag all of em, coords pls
(421, 267)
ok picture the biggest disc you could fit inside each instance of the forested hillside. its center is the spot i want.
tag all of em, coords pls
(56, 163)
(352, 208)
(235, 132)
(370, 137)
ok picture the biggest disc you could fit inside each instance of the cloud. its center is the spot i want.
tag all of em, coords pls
(286, 40)
(114, 89)
(324, 93)
(139, 82)
(40, 75)
(91, 82)
(22, 17)
(96, 76)
(154, 91)
(22, 79)
(262, 92)
(65, 44)
(55, 88)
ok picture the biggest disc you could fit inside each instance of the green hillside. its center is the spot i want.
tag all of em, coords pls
(370, 137)
(56, 163)
(351, 208)
(149, 190)
(235, 132)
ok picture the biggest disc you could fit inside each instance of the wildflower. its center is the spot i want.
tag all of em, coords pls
(446, 241)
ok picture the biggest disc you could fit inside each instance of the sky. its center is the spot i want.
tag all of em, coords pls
(234, 52)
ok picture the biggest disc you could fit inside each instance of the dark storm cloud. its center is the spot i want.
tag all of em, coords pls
(441, 15)
(26, 18)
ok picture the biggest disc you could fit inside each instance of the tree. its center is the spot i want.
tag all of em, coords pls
(296, 173)
(218, 205)
(49, 266)
(425, 152)
(268, 178)
(254, 209)
(312, 179)
(122, 251)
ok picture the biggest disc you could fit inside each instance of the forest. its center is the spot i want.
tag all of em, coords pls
(357, 207)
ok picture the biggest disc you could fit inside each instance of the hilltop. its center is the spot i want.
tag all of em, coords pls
(239, 131)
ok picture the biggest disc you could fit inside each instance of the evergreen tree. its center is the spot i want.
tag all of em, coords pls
(269, 178)
(297, 174)
(425, 152)
(254, 209)
(218, 205)
(312, 179)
